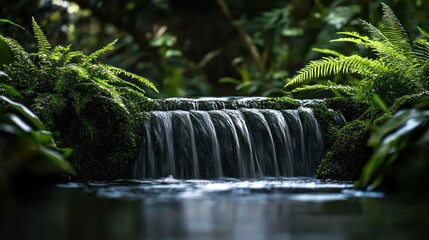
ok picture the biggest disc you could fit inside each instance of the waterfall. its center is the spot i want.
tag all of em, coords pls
(218, 138)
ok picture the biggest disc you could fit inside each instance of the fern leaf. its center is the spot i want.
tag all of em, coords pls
(351, 40)
(394, 32)
(69, 76)
(43, 44)
(384, 49)
(112, 91)
(423, 32)
(141, 79)
(342, 89)
(96, 54)
(328, 51)
(421, 50)
(69, 56)
(17, 50)
(354, 35)
(374, 32)
(330, 66)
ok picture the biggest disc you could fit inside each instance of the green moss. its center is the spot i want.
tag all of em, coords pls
(329, 129)
(320, 91)
(349, 107)
(105, 137)
(280, 103)
(348, 154)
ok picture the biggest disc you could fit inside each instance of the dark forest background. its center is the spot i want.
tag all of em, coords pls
(210, 47)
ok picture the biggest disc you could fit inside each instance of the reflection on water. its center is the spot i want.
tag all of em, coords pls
(201, 209)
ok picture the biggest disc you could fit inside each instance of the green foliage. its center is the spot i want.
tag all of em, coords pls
(179, 75)
(43, 44)
(11, 23)
(327, 90)
(28, 152)
(79, 98)
(263, 37)
(398, 69)
(400, 153)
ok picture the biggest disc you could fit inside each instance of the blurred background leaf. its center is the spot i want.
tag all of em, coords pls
(166, 41)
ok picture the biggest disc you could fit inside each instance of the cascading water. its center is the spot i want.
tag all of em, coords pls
(214, 138)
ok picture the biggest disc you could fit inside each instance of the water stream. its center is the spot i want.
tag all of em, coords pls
(174, 209)
(224, 137)
(218, 169)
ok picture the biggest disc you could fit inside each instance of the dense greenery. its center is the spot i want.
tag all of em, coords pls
(28, 152)
(398, 69)
(392, 77)
(249, 48)
(185, 47)
(400, 157)
(87, 104)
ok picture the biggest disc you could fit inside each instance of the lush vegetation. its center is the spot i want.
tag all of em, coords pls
(398, 68)
(391, 77)
(250, 48)
(200, 48)
(28, 152)
(89, 105)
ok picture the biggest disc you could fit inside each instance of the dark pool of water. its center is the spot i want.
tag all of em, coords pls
(289, 208)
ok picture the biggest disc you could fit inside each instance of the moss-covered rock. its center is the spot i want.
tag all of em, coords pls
(348, 154)
(350, 107)
(280, 103)
(105, 137)
(328, 127)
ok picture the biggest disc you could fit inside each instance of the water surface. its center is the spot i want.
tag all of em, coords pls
(270, 208)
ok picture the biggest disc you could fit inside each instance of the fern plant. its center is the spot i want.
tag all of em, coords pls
(64, 74)
(93, 107)
(398, 68)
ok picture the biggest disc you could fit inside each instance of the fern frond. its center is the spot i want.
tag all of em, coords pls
(384, 49)
(353, 35)
(328, 52)
(69, 56)
(342, 89)
(421, 60)
(421, 50)
(102, 84)
(423, 32)
(141, 79)
(17, 50)
(96, 54)
(374, 32)
(119, 83)
(330, 66)
(394, 32)
(69, 76)
(43, 44)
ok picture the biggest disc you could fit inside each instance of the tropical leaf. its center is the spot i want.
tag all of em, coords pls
(388, 141)
(25, 112)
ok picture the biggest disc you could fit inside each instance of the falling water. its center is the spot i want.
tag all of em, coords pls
(218, 138)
